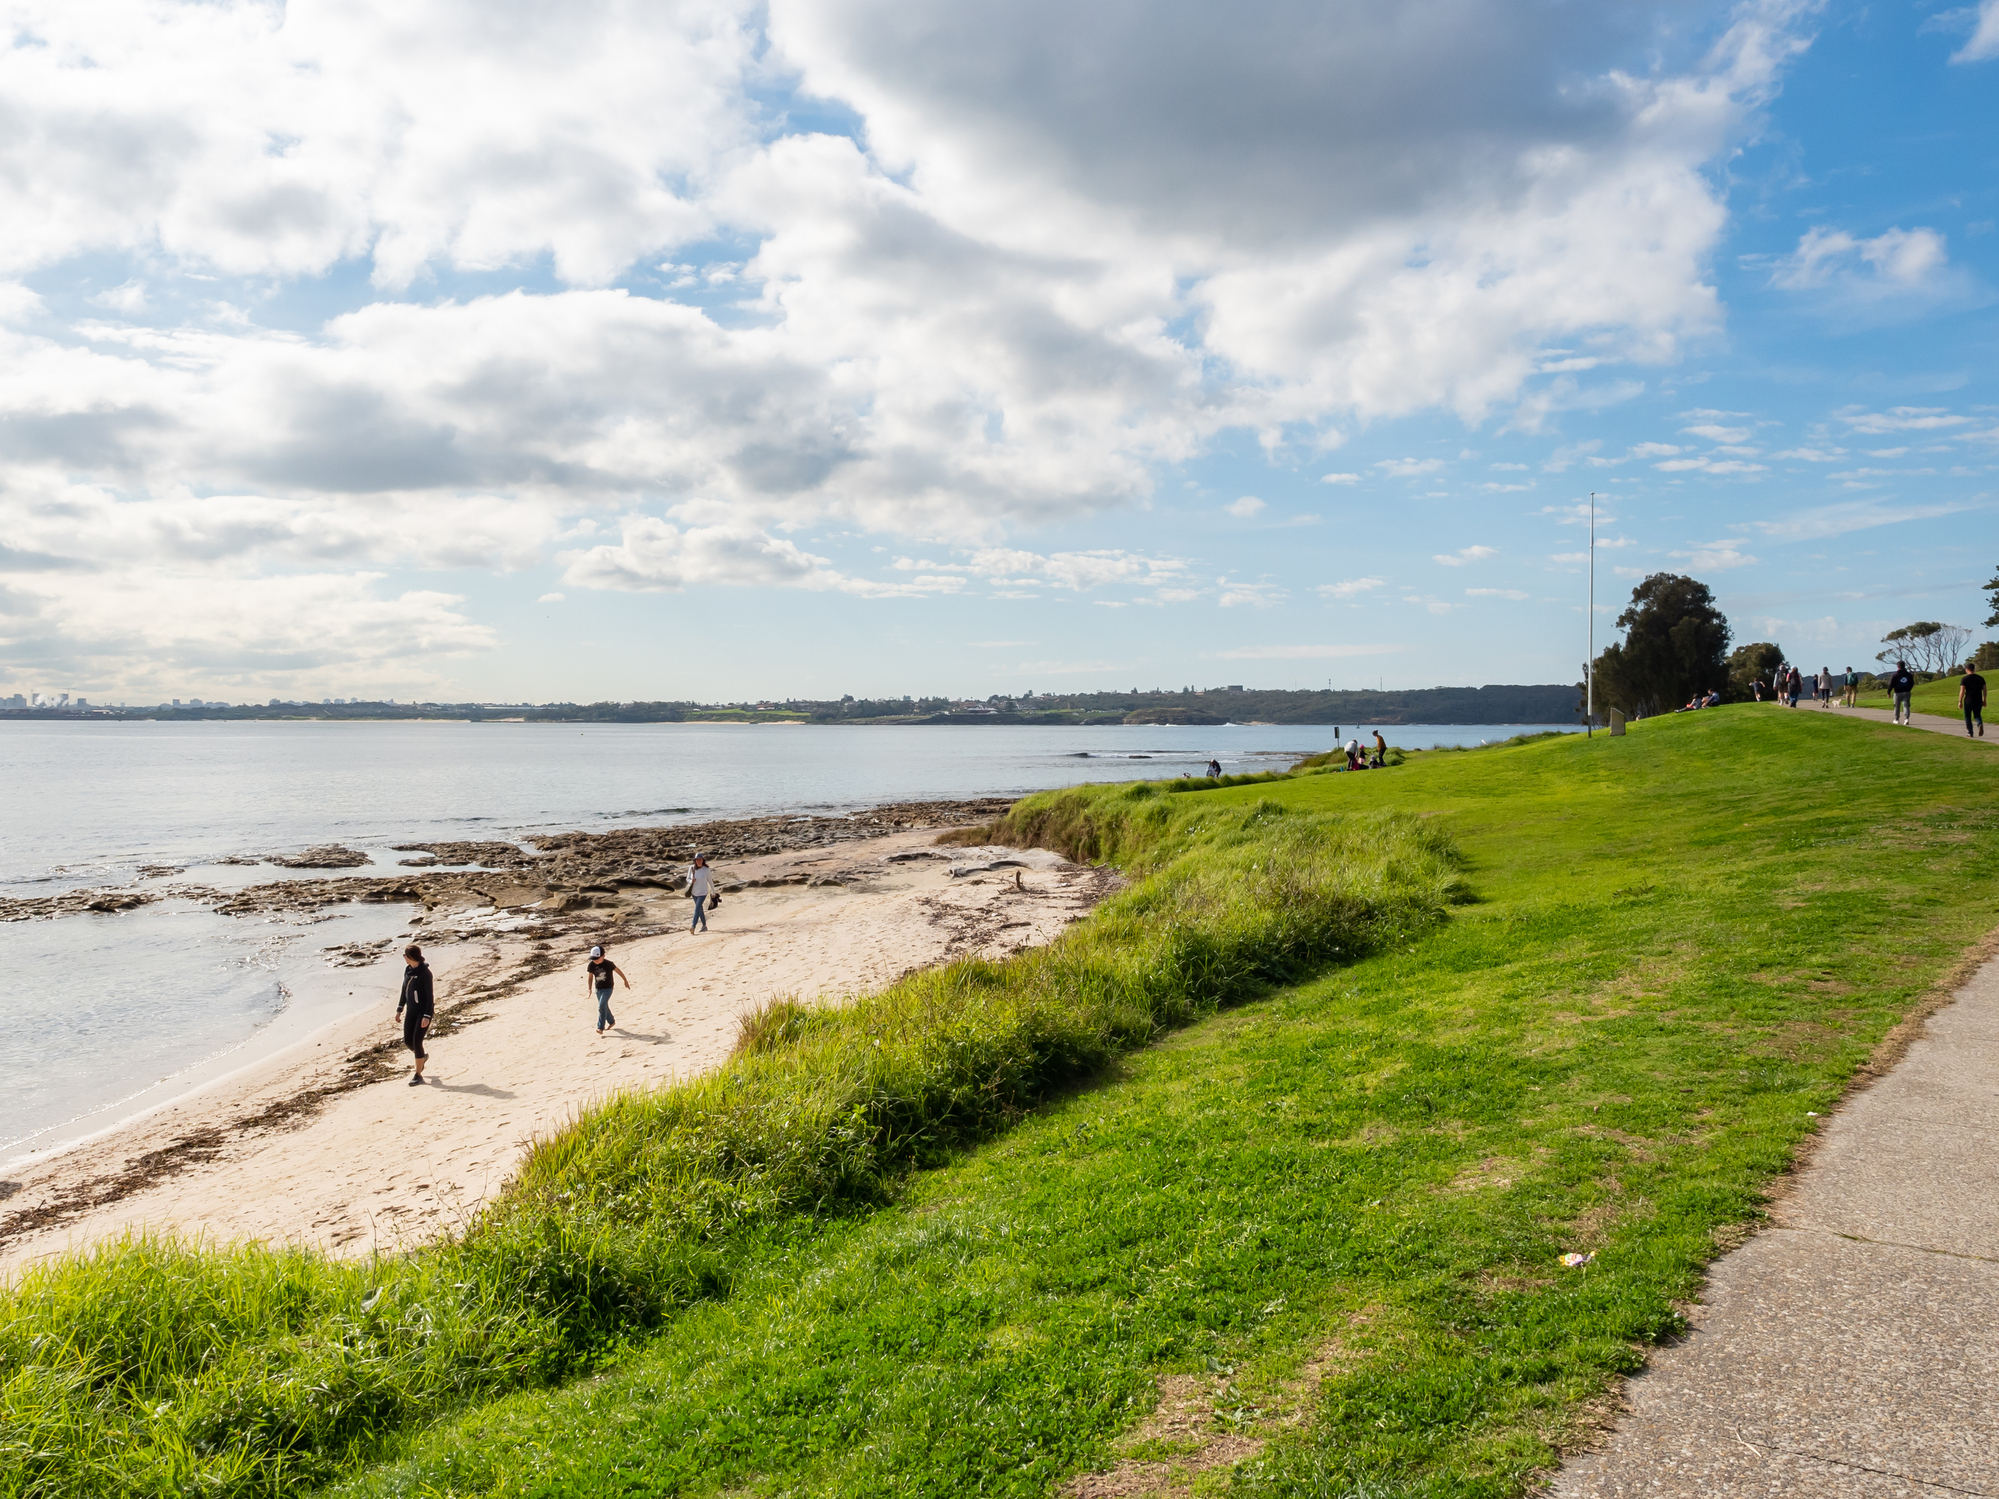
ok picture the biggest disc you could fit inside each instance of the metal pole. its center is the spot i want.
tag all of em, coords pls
(1589, 674)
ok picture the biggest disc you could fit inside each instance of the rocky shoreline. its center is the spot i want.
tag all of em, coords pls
(561, 875)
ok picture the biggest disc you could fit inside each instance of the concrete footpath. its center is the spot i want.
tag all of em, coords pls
(1930, 721)
(1852, 1349)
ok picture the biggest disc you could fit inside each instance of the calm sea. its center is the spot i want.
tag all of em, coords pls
(108, 1014)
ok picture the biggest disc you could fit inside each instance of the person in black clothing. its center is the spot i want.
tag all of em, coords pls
(1902, 684)
(1971, 698)
(601, 971)
(416, 1008)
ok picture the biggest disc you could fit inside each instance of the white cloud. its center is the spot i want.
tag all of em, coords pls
(1465, 554)
(1299, 652)
(1710, 466)
(1494, 593)
(1254, 595)
(1049, 273)
(1246, 507)
(1899, 273)
(654, 556)
(1350, 588)
(1340, 479)
(1715, 556)
(1900, 419)
(1655, 450)
(1409, 468)
(1813, 455)
(1854, 515)
(550, 598)
(1714, 433)
(1984, 42)
(1513, 467)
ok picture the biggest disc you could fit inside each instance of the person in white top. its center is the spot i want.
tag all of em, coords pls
(700, 885)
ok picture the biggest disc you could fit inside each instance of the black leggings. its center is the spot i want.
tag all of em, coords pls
(1974, 715)
(413, 1035)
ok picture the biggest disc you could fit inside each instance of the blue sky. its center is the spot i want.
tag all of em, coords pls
(721, 350)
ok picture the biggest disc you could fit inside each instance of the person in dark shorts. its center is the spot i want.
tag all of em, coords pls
(416, 1008)
(1971, 698)
(601, 972)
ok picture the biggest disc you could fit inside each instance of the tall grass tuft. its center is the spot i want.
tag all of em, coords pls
(153, 1367)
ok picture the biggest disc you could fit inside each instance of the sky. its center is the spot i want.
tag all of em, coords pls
(711, 350)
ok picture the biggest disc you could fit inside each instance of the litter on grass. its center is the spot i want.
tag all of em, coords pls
(1573, 1260)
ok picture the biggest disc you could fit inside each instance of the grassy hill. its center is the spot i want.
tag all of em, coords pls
(1296, 1131)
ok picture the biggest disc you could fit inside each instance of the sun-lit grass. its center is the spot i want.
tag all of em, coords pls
(1339, 1208)
(152, 1367)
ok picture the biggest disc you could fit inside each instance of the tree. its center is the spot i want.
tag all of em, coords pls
(1675, 644)
(1992, 598)
(1926, 645)
(1751, 663)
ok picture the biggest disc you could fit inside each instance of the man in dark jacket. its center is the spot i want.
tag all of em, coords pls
(1971, 698)
(1902, 684)
(416, 1008)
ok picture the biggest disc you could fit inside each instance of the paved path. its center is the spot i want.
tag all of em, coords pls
(1930, 721)
(1852, 1350)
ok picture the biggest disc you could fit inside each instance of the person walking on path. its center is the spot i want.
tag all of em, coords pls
(1824, 693)
(700, 885)
(601, 971)
(1971, 698)
(1852, 697)
(416, 1008)
(1902, 683)
(1793, 685)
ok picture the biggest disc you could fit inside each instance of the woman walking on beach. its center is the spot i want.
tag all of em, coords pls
(700, 885)
(416, 1008)
(600, 971)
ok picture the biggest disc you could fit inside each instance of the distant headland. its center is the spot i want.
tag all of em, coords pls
(1549, 703)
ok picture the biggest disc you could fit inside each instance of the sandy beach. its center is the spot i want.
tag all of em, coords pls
(326, 1145)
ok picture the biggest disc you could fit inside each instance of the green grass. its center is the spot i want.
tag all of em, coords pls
(1332, 1200)
(157, 1368)
(1684, 942)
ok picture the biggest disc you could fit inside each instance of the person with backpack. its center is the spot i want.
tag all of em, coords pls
(600, 971)
(1971, 698)
(1902, 683)
(1793, 685)
(701, 886)
(416, 1007)
(1852, 697)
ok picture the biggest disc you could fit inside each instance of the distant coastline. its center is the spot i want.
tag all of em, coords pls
(1216, 707)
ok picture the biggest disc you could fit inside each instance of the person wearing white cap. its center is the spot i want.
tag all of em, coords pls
(601, 972)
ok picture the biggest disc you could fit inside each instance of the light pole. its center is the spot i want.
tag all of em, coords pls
(1589, 670)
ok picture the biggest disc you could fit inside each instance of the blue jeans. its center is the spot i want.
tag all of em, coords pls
(700, 921)
(604, 1016)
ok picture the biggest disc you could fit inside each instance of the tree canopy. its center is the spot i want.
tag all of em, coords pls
(1926, 645)
(1675, 645)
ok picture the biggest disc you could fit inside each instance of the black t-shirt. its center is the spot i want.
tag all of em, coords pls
(601, 970)
(1974, 690)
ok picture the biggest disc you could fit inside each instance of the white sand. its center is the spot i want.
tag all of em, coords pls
(386, 1164)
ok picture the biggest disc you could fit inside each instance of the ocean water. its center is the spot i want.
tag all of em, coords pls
(111, 1013)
